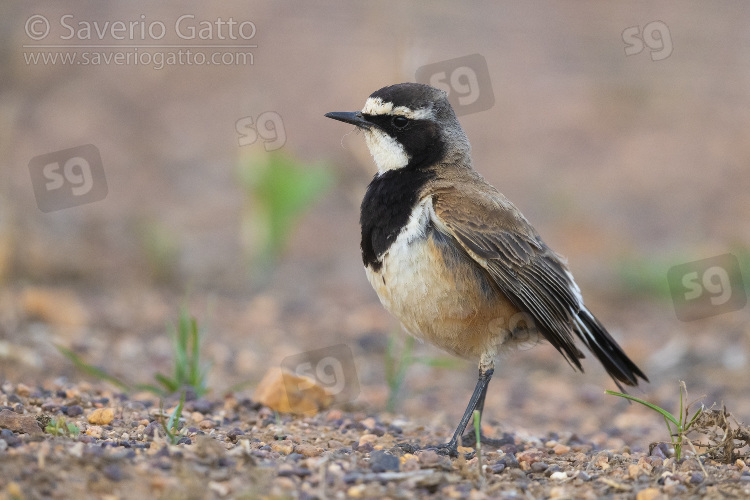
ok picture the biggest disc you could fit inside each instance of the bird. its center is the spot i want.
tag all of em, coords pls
(452, 258)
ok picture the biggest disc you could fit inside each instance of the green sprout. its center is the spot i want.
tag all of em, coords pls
(278, 190)
(187, 370)
(478, 447)
(171, 426)
(682, 422)
(59, 427)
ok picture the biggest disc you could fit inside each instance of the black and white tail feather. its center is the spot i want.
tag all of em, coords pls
(603, 346)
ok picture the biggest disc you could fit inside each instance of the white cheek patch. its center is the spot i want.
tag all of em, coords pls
(385, 150)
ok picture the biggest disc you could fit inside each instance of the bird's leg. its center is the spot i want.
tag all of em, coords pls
(470, 438)
(476, 402)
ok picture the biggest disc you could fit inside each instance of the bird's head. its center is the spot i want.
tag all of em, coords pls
(409, 125)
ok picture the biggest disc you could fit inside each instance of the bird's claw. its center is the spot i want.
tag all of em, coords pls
(449, 449)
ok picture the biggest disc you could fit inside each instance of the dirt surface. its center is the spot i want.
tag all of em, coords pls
(631, 163)
(236, 448)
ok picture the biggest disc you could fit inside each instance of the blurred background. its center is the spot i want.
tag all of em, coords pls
(620, 131)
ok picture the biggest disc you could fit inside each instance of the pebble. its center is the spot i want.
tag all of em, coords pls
(73, 410)
(113, 472)
(367, 439)
(561, 449)
(382, 461)
(539, 466)
(428, 457)
(8, 437)
(558, 476)
(308, 450)
(23, 390)
(497, 468)
(552, 469)
(285, 446)
(101, 416)
(334, 444)
(235, 433)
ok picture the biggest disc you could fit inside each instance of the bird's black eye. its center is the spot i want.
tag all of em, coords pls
(400, 121)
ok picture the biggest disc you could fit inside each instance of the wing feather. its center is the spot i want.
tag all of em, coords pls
(534, 278)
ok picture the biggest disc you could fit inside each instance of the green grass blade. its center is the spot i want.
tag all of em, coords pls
(169, 384)
(176, 414)
(90, 369)
(195, 375)
(664, 412)
(150, 388)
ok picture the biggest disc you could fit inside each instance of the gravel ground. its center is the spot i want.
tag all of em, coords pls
(237, 448)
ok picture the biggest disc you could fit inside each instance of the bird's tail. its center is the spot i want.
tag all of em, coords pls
(607, 351)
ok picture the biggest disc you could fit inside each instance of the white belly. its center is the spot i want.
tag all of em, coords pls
(438, 300)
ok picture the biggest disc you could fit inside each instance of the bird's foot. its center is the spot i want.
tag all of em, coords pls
(470, 440)
(449, 449)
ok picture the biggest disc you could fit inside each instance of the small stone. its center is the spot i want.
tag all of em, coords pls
(220, 488)
(367, 439)
(558, 492)
(308, 450)
(648, 494)
(539, 466)
(334, 444)
(552, 469)
(382, 461)
(113, 472)
(101, 416)
(74, 411)
(14, 490)
(50, 407)
(558, 476)
(497, 468)
(19, 423)
(378, 431)
(369, 422)
(428, 457)
(23, 390)
(285, 446)
(602, 461)
(8, 437)
(583, 476)
(696, 478)
(528, 457)
(287, 392)
(660, 450)
(94, 431)
(561, 449)
(207, 424)
(185, 440)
